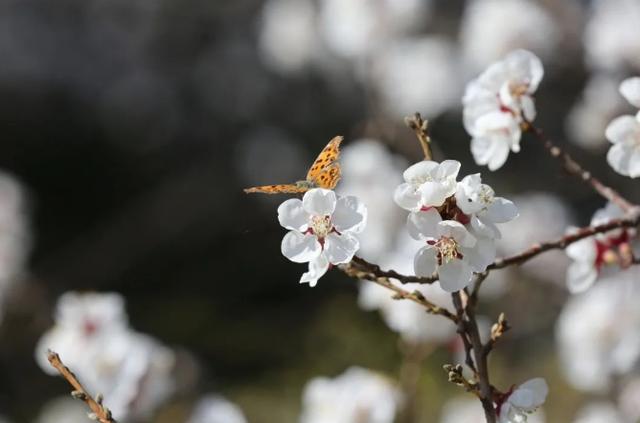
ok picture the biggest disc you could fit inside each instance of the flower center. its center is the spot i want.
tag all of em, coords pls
(447, 250)
(321, 226)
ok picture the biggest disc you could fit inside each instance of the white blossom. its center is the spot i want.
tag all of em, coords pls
(492, 28)
(624, 133)
(598, 332)
(522, 401)
(629, 399)
(92, 337)
(63, 409)
(450, 249)
(357, 395)
(427, 184)
(479, 201)
(590, 255)
(497, 102)
(321, 228)
(599, 412)
(469, 410)
(216, 409)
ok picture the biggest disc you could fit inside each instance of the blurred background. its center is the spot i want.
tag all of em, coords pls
(129, 129)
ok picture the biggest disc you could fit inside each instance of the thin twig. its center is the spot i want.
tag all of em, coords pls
(574, 168)
(565, 241)
(376, 270)
(420, 127)
(462, 331)
(99, 412)
(355, 271)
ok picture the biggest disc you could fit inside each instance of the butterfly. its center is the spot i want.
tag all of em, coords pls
(323, 173)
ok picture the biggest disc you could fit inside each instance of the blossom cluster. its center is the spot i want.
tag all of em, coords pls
(498, 103)
(624, 134)
(456, 220)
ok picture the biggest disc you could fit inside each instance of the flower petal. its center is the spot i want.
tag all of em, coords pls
(420, 171)
(530, 395)
(340, 248)
(630, 89)
(489, 150)
(448, 169)
(619, 158)
(433, 193)
(291, 215)
(457, 231)
(317, 268)
(501, 210)
(319, 201)
(425, 261)
(525, 67)
(634, 163)
(350, 214)
(481, 255)
(580, 276)
(407, 197)
(300, 248)
(454, 275)
(423, 225)
(623, 129)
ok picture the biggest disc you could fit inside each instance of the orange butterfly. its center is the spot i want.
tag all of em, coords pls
(324, 173)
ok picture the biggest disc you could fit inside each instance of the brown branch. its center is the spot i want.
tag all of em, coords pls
(462, 330)
(574, 168)
(420, 127)
(99, 412)
(565, 241)
(355, 271)
(378, 272)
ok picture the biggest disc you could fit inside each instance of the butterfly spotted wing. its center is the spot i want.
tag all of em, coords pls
(323, 173)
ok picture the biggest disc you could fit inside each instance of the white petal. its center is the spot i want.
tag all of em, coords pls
(580, 276)
(634, 163)
(340, 248)
(501, 210)
(317, 268)
(584, 250)
(424, 263)
(300, 248)
(291, 215)
(419, 171)
(423, 225)
(350, 215)
(319, 201)
(528, 108)
(525, 67)
(407, 197)
(433, 193)
(454, 275)
(630, 89)
(619, 158)
(530, 395)
(485, 227)
(481, 255)
(448, 169)
(622, 129)
(457, 231)
(490, 151)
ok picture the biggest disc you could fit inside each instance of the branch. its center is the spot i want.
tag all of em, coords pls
(355, 271)
(565, 241)
(99, 412)
(462, 331)
(374, 269)
(574, 168)
(420, 126)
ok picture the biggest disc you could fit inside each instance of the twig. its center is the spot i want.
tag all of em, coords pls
(353, 270)
(99, 412)
(574, 168)
(378, 272)
(462, 331)
(565, 241)
(420, 127)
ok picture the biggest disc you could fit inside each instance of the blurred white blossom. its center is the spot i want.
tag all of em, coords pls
(357, 395)
(288, 34)
(599, 412)
(469, 410)
(63, 409)
(590, 115)
(598, 331)
(216, 409)
(629, 399)
(497, 102)
(92, 337)
(624, 133)
(321, 230)
(371, 173)
(612, 35)
(492, 28)
(417, 74)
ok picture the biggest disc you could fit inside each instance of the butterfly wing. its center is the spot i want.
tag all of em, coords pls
(277, 189)
(329, 176)
(326, 158)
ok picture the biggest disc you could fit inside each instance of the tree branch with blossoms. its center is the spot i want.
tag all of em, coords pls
(99, 412)
(457, 223)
